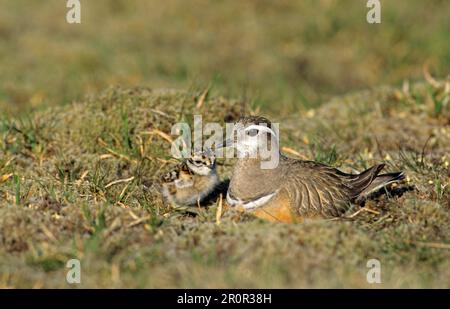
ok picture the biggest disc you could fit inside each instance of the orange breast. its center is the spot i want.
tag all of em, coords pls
(278, 209)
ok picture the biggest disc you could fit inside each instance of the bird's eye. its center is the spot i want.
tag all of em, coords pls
(252, 132)
(198, 162)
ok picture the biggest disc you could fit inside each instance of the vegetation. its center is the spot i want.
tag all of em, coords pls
(281, 55)
(79, 174)
(80, 181)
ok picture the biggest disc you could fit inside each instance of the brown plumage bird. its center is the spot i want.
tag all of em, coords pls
(293, 189)
(191, 181)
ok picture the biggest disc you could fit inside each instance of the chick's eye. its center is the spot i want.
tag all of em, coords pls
(252, 132)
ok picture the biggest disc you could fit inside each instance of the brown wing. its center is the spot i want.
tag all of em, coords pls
(181, 170)
(317, 189)
(170, 176)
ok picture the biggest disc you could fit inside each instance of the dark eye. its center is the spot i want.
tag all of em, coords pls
(252, 132)
(198, 162)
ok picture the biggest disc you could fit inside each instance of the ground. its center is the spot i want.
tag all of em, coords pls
(79, 181)
(85, 109)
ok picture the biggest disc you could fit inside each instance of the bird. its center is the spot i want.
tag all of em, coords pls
(192, 181)
(292, 190)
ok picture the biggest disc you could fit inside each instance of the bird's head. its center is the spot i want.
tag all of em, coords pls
(202, 162)
(253, 136)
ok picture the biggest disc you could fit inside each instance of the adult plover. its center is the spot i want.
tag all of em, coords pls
(293, 189)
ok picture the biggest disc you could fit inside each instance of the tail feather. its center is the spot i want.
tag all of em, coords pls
(371, 180)
(359, 183)
(381, 181)
(366, 177)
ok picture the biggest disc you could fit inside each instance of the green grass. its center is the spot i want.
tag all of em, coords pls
(60, 203)
(282, 55)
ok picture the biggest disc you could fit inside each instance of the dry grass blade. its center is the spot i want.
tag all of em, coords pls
(6, 177)
(166, 161)
(112, 152)
(115, 182)
(159, 133)
(82, 177)
(294, 152)
(123, 205)
(84, 174)
(430, 79)
(133, 215)
(219, 210)
(106, 156)
(141, 146)
(186, 209)
(435, 245)
(138, 221)
(119, 155)
(202, 98)
(8, 162)
(124, 190)
(159, 112)
(47, 232)
(365, 209)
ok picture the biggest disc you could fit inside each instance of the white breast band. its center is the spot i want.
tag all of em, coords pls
(252, 204)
